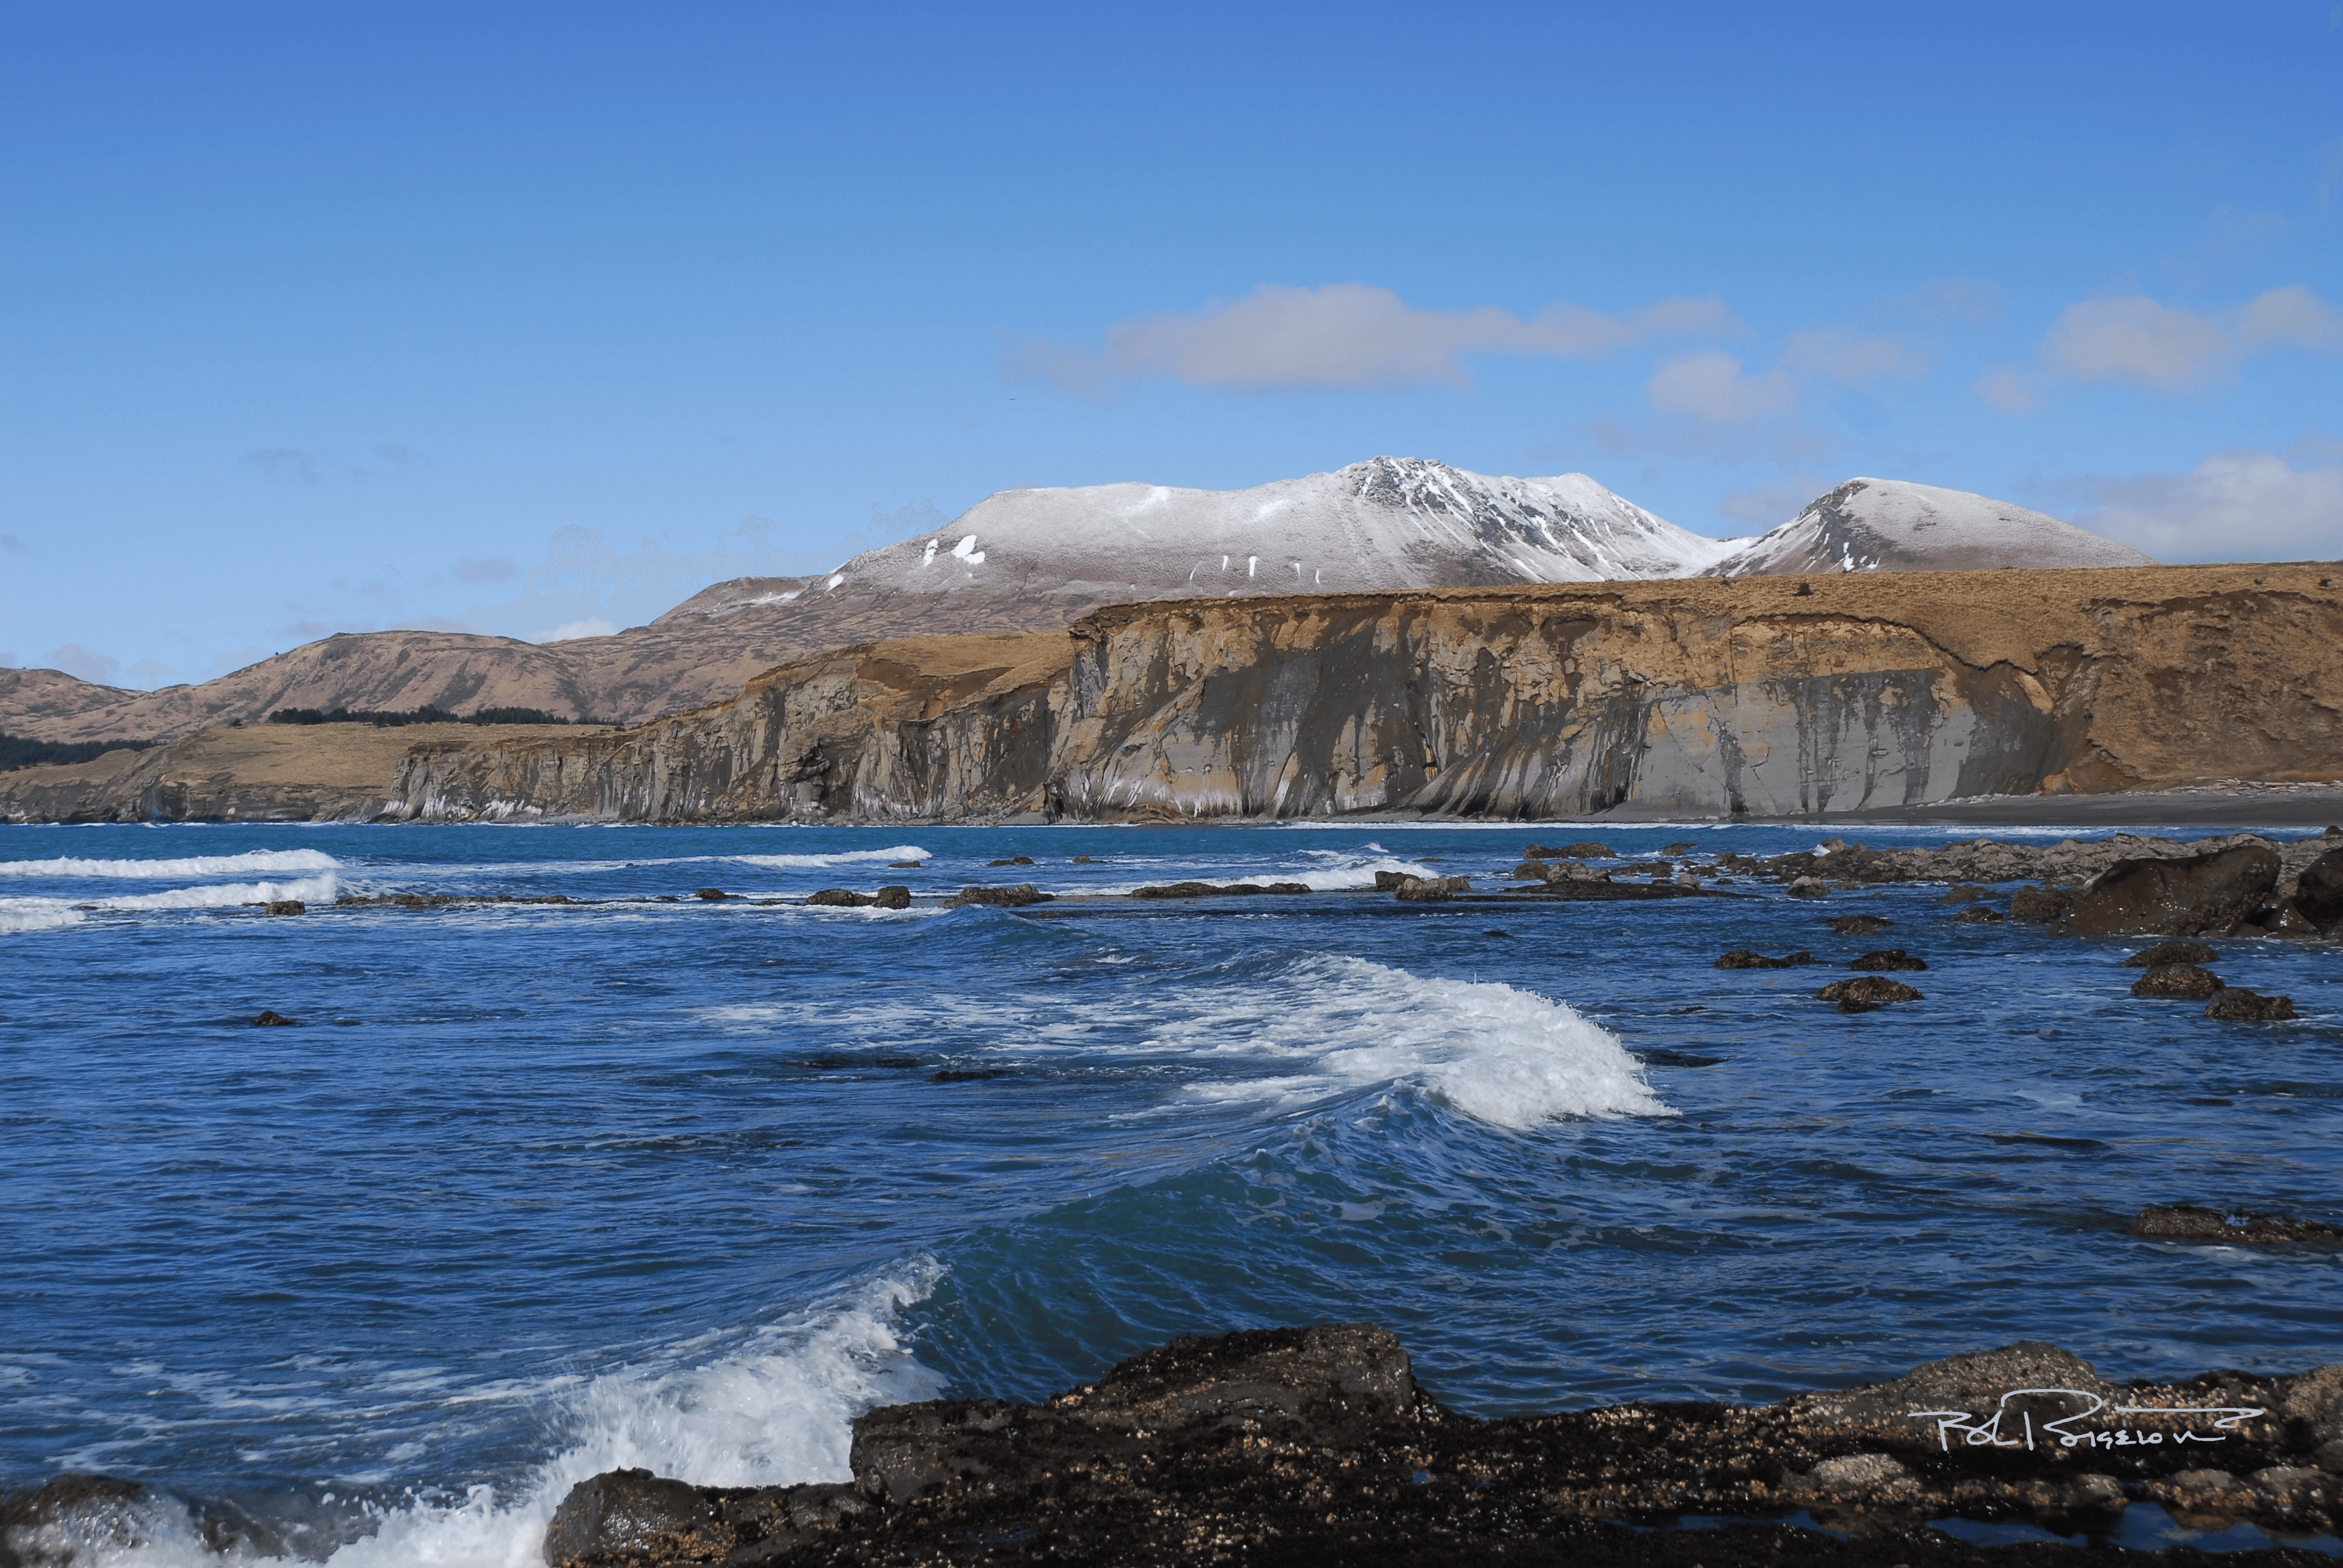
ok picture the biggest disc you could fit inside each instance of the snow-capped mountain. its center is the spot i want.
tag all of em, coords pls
(1888, 525)
(1389, 523)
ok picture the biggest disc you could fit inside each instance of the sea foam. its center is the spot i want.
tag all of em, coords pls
(1498, 1054)
(249, 862)
(772, 1405)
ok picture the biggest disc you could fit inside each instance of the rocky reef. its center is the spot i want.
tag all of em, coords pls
(1317, 1445)
(1762, 697)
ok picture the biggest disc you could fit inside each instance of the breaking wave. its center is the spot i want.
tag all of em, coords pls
(772, 1405)
(250, 862)
(1507, 1057)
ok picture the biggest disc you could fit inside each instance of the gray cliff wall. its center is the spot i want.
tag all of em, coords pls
(1766, 697)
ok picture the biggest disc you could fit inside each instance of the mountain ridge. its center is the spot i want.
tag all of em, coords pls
(1037, 559)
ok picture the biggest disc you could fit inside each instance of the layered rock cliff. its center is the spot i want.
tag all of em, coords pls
(1760, 696)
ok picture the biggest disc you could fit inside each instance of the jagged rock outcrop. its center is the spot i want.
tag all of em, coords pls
(1317, 1445)
(1692, 697)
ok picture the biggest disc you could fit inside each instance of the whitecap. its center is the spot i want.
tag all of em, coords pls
(251, 861)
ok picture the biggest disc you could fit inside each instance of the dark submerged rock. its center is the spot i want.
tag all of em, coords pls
(272, 1019)
(1859, 925)
(1686, 848)
(1742, 958)
(896, 897)
(286, 906)
(1887, 960)
(2178, 982)
(2185, 896)
(1015, 898)
(1210, 890)
(1965, 893)
(1866, 993)
(2236, 1006)
(2190, 1222)
(711, 895)
(841, 899)
(2182, 952)
(1012, 861)
(1979, 915)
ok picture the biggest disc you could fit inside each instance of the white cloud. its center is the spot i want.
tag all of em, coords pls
(1842, 357)
(1712, 388)
(2136, 340)
(2292, 317)
(577, 628)
(2234, 506)
(1346, 336)
(2168, 349)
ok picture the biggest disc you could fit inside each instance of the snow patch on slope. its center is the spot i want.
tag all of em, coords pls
(1888, 525)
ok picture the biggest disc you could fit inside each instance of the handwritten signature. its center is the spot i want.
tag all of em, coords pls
(1978, 1432)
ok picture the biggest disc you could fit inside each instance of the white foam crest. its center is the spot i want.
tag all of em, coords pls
(1335, 869)
(252, 860)
(36, 915)
(773, 1408)
(1500, 1055)
(844, 856)
(319, 889)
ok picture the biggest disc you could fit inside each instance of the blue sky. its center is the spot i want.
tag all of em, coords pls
(325, 317)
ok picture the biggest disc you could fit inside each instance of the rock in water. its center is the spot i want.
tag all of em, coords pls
(841, 899)
(1809, 888)
(2235, 1006)
(286, 907)
(272, 1019)
(1888, 958)
(2178, 982)
(1742, 958)
(2318, 894)
(892, 899)
(1587, 851)
(2040, 906)
(1866, 993)
(1979, 915)
(2189, 1222)
(2185, 897)
(1015, 898)
(711, 895)
(622, 1512)
(2172, 953)
(1431, 889)
(1012, 861)
(1859, 925)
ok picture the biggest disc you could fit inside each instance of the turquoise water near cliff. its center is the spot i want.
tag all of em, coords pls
(534, 1190)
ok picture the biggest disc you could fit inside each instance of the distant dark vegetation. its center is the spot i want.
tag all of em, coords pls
(19, 752)
(383, 718)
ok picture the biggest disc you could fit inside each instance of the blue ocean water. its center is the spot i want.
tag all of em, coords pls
(534, 1190)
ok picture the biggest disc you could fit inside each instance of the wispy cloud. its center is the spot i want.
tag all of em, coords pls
(11, 542)
(85, 664)
(1712, 389)
(2234, 506)
(1763, 507)
(1345, 338)
(1947, 301)
(2142, 342)
(286, 463)
(491, 570)
(1857, 360)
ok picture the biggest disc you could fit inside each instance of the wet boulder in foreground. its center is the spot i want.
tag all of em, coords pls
(1888, 960)
(2318, 894)
(2188, 895)
(2237, 1006)
(1859, 925)
(2040, 906)
(2178, 982)
(1316, 1445)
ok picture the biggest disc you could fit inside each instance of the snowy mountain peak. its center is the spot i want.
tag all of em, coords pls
(1387, 523)
(1870, 524)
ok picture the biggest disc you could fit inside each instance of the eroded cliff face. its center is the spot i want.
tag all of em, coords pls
(1766, 697)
